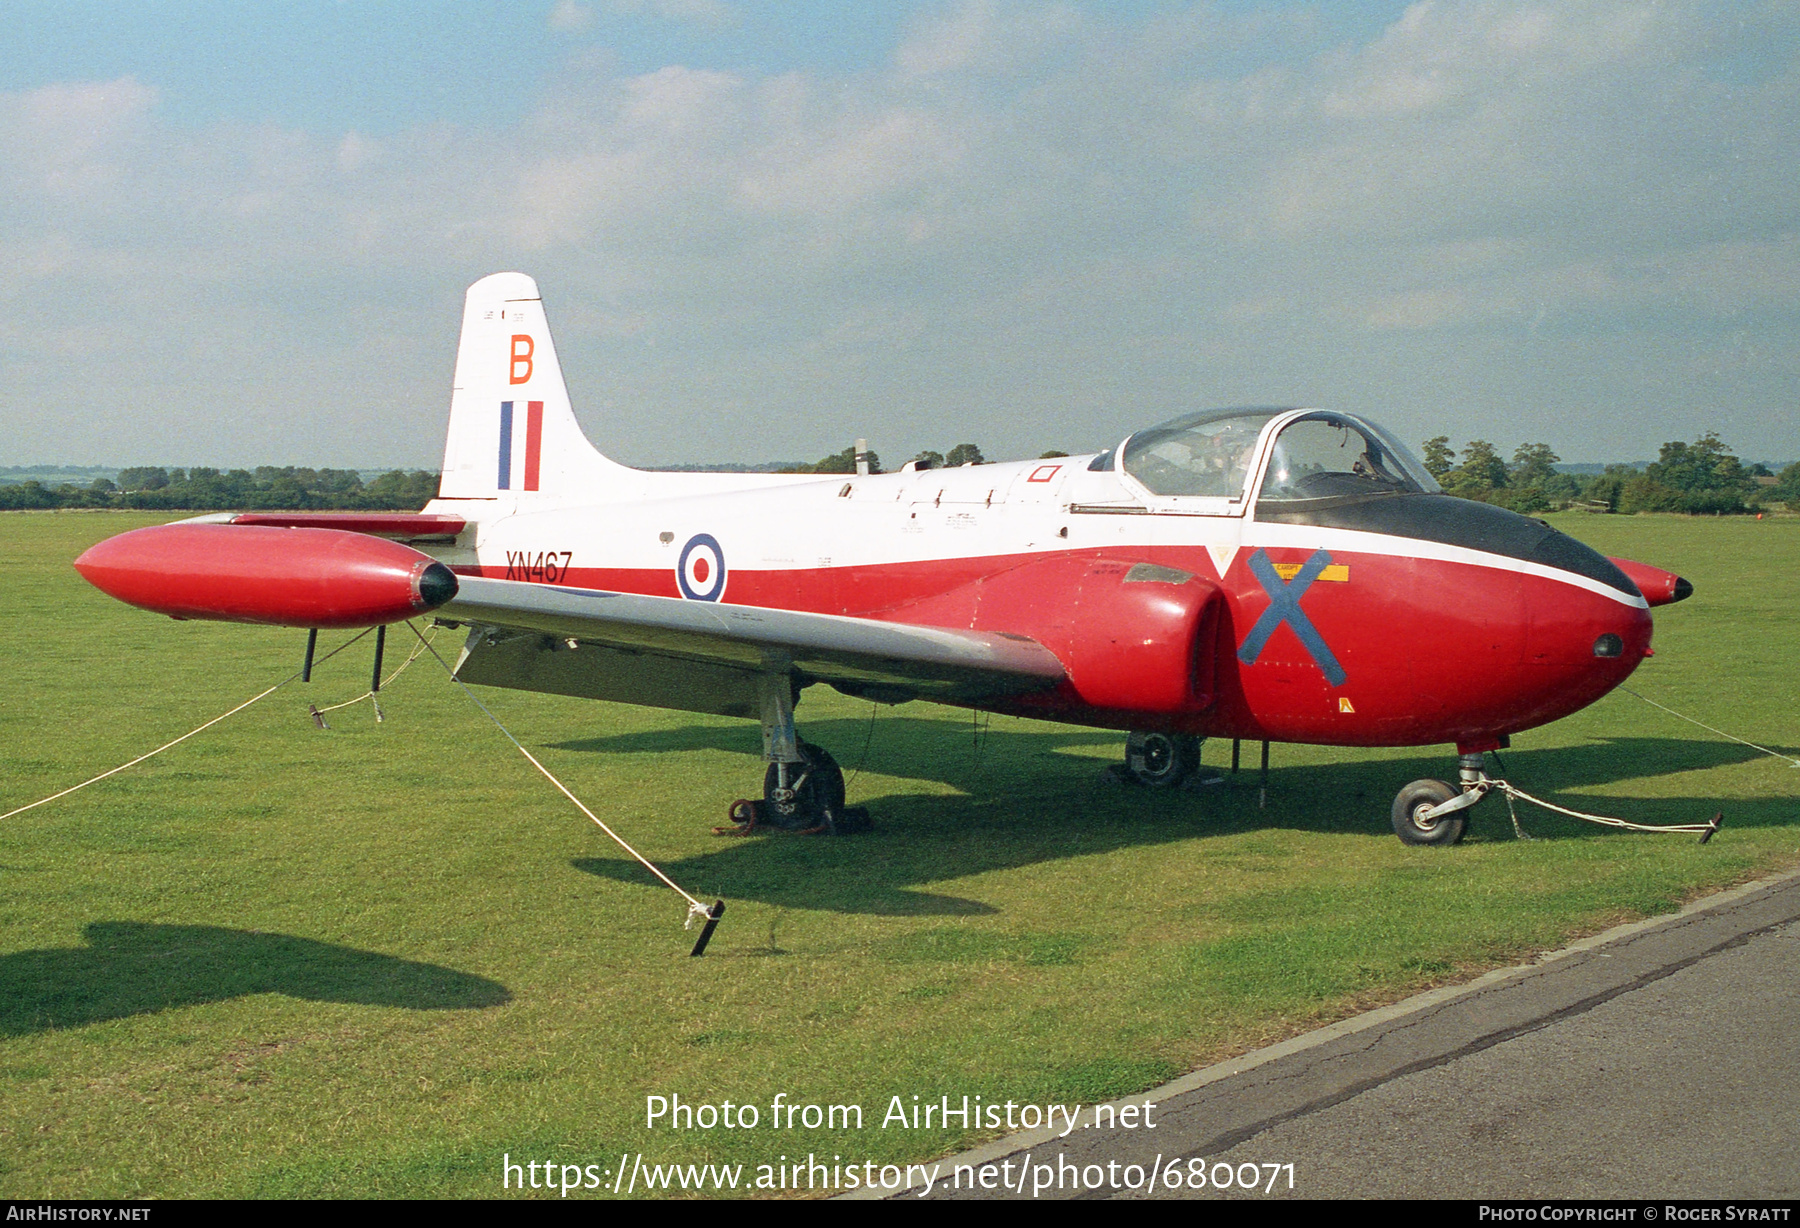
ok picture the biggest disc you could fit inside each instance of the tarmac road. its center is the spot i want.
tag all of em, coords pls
(1658, 1060)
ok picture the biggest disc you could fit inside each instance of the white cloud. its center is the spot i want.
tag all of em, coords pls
(986, 36)
(568, 16)
(356, 151)
(715, 14)
(680, 100)
(1029, 227)
(66, 140)
(827, 173)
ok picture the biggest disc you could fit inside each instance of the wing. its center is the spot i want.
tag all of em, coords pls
(702, 656)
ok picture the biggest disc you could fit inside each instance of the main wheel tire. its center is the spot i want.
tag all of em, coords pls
(1414, 800)
(818, 802)
(1161, 760)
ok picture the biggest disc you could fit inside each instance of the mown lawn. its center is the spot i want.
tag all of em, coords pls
(371, 961)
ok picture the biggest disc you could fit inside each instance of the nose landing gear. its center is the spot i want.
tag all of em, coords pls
(1416, 803)
(1432, 812)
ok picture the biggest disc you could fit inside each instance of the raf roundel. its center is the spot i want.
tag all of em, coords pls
(700, 573)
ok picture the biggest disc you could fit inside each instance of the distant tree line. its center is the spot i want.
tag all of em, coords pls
(1698, 478)
(845, 461)
(1702, 477)
(837, 462)
(265, 488)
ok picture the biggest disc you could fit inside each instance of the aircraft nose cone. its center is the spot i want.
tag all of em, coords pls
(1584, 631)
(1683, 590)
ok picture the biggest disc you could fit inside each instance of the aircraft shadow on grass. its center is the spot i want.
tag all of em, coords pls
(915, 746)
(130, 968)
(1027, 803)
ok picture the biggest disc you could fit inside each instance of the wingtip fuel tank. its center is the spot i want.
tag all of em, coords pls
(277, 577)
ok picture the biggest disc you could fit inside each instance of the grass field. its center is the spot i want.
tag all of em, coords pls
(284, 962)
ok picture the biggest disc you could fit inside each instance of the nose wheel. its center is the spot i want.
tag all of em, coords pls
(1433, 812)
(1413, 822)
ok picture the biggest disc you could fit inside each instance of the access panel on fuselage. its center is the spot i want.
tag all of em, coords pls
(908, 538)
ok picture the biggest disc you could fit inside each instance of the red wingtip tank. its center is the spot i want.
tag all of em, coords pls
(280, 577)
(1659, 587)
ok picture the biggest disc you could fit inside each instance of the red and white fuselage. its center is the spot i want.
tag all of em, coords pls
(1464, 638)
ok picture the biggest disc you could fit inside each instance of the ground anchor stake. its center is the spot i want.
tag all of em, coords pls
(712, 923)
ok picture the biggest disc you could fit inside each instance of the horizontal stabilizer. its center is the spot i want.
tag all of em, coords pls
(402, 526)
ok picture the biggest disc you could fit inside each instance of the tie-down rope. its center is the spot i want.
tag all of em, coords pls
(190, 733)
(696, 910)
(1690, 720)
(318, 713)
(1703, 830)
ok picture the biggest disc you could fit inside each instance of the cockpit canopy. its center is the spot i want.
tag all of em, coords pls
(1315, 456)
(1333, 456)
(1208, 453)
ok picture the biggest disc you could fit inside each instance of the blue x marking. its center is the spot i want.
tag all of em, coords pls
(1284, 607)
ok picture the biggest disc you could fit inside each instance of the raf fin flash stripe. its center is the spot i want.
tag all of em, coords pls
(534, 444)
(506, 445)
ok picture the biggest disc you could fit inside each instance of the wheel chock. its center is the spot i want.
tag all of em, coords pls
(744, 815)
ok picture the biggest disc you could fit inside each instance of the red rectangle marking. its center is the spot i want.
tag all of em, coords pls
(534, 441)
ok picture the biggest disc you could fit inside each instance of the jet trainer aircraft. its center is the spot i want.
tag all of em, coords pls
(1288, 575)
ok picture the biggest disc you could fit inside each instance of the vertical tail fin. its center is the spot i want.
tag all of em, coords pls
(512, 432)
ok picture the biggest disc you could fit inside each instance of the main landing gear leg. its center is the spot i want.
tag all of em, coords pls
(803, 787)
(803, 790)
(1433, 812)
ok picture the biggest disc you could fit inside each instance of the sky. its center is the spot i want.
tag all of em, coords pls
(240, 234)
